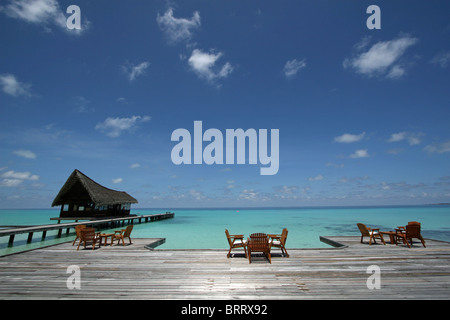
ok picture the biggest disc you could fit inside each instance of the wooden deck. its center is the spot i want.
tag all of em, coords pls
(134, 272)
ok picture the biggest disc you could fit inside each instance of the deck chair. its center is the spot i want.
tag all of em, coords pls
(89, 236)
(78, 232)
(279, 241)
(410, 231)
(371, 233)
(236, 241)
(122, 234)
(258, 242)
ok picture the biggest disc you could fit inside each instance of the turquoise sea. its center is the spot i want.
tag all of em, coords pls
(205, 228)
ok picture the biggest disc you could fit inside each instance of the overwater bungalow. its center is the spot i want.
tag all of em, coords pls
(82, 197)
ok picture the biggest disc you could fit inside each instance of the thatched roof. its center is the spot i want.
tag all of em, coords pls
(80, 187)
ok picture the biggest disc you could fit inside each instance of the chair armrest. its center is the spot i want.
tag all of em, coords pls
(237, 236)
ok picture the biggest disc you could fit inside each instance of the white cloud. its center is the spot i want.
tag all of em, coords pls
(292, 67)
(178, 29)
(11, 86)
(81, 105)
(135, 165)
(397, 137)
(396, 72)
(204, 65)
(349, 138)
(113, 127)
(361, 153)
(198, 195)
(382, 58)
(135, 71)
(249, 194)
(316, 178)
(12, 178)
(25, 154)
(10, 183)
(413, 139)
(442, 59)
(34, 11)
(438, 147)
(117, 180)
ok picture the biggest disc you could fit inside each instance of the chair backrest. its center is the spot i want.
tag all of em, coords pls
(259, 242)
(228, 237)
(128, 231)
(87, 234)
(284, 234)
(362, 227)
(414, 223)
(413, 230)
(78, 229)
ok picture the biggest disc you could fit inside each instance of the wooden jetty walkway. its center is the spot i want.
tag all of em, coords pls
(134, 272)
(99, 223)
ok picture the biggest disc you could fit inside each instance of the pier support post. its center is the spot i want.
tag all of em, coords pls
(11, 240)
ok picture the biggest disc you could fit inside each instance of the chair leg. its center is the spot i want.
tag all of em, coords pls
(382, 240)
(423, 241)
(285, 252)
(407, 242)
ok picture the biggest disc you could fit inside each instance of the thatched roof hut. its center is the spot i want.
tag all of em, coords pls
(81, 196)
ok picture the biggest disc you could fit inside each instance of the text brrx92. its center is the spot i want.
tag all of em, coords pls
(246, 309)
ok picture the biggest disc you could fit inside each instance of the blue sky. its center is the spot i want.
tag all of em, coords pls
(363, 114)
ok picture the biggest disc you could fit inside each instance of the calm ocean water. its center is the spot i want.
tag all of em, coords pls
(205, 228)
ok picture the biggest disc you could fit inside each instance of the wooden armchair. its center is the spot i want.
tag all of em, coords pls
(371, 233)
(89, 236)
(258, 242)
(410, 231)
(236, 241)
(78, 232)
(279, 241)
(122, 234)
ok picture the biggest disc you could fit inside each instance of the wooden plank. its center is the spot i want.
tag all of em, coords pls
(134, 272)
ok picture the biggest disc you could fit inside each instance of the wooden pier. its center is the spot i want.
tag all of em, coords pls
(102, 223)
(134, 272)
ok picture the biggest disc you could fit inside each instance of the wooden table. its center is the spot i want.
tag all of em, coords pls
(391, 236)
(106, 235)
